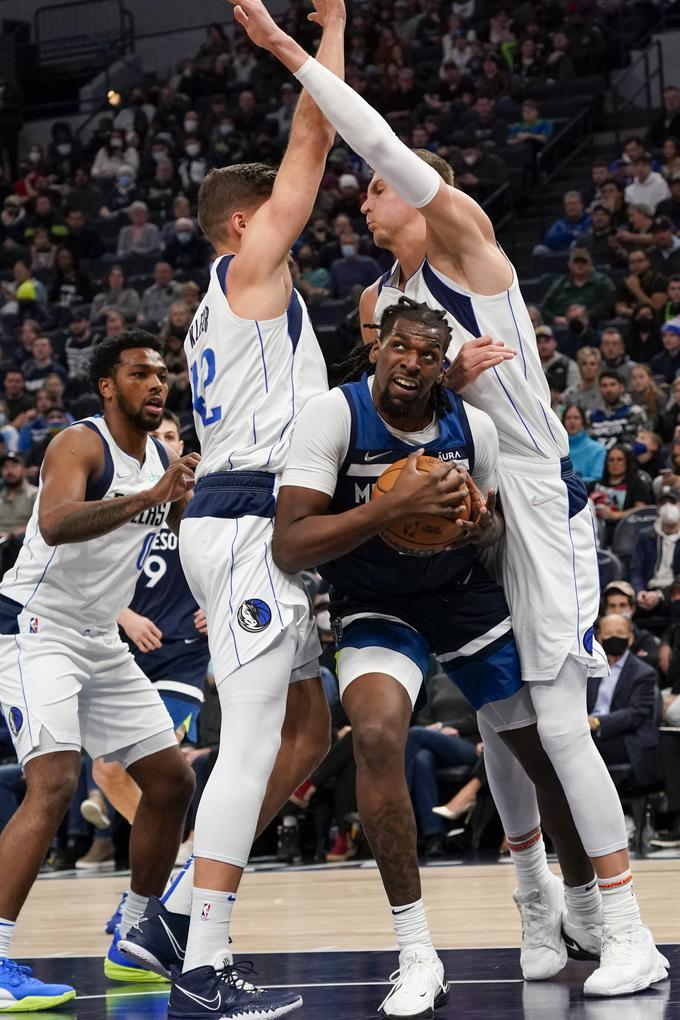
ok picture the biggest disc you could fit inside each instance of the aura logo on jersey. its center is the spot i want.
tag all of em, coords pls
(254, 615)
(15, 720)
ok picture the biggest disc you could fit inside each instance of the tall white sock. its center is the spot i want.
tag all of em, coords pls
(133, 909)
(209, 927)
(410, 925)
(531, 865)
(584, 903)
(619, 905)
(177, 897)
(6, 932)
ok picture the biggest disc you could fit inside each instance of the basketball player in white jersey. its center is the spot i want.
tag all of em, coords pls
(253, 360)
(66, 678)
(549, 566)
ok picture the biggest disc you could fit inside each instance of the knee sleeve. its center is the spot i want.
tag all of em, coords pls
(513, 792)
(563, 728)
(253, 703)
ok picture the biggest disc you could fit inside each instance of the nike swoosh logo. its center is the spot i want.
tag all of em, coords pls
(540, 500)
(173, 941)
(190, 640)
(402, 911)
(375, 456)
(213, 1004)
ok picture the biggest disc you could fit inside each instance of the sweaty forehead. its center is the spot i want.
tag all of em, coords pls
(409, 329)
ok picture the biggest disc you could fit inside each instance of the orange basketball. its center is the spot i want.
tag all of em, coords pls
(426, 534)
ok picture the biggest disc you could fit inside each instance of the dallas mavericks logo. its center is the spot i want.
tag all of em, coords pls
(254, 615)
(15, 720)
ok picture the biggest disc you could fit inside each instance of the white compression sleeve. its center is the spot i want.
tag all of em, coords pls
(369, 135)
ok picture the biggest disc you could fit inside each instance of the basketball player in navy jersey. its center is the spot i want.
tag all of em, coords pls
(548, 560)
(66, 678)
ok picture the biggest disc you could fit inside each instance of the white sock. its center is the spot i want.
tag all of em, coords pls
(410, 925)
(209, 927)
(6, 932)
(584, 903)
(619, 905)
(133, 909)
(177, 897)
(531, 865)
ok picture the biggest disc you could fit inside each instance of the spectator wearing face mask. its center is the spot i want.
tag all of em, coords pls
(185, 249)
(580, 331)
(587, 455)
(656, 561)
(644, 339)
(478, 172)
(112, 156)
(192, 167)
(619, 598)
(352, 269)
(667, 362)
(120, 197)
(622, 706)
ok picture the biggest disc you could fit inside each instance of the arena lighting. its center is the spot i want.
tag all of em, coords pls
(113, 97)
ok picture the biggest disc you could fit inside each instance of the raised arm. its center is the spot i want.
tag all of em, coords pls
(280, 221)
(75, 458)
(450, 213)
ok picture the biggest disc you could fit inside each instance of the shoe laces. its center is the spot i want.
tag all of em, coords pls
(616, 946)
(414, 964)
(534, 913)
(233, 976)
(15, 973)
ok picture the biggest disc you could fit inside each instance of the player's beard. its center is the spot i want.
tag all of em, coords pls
(138, 417)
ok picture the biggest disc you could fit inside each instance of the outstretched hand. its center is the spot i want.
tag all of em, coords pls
(475, 357)
(255, 19)
(325, 9)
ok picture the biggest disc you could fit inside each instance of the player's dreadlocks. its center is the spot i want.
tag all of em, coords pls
(358, 361)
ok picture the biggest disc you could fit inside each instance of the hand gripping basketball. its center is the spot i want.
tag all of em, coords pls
(430, 497)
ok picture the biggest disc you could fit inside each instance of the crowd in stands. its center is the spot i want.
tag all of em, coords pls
(99, 232)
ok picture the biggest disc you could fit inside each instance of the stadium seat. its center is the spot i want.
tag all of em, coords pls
(610, 566)
(628, 529)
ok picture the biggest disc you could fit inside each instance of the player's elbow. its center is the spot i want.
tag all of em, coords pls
(48, 531)
(285, 555)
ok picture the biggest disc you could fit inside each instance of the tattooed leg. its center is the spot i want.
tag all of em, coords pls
(379, 710)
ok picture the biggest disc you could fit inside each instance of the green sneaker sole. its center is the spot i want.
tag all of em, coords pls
(136, 975)
(32, 1003)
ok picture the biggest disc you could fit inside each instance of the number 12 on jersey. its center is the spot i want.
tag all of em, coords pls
(202, 376)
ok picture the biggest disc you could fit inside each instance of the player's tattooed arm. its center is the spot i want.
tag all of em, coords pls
(76, 458)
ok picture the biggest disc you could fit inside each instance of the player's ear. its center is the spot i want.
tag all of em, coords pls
(106, 387)
(375, 350)
(237, 222)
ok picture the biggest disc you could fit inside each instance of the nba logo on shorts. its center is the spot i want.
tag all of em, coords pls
(33, 625)
(205, 910)
(15, 720)
(254, 615)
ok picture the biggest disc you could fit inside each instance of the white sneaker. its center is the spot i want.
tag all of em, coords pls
(543, 953)
(419, 986)
(630, 962)
(583, 941)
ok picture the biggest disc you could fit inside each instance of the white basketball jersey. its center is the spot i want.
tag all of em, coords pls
(515, 393)
(85, 585)
(249, 378)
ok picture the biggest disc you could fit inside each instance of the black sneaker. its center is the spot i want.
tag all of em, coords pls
(158, 941)
(224, 993)
(669, 839)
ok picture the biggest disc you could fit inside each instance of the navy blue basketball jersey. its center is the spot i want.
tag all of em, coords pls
(376, 568)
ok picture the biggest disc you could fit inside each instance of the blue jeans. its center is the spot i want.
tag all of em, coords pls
(427, 751)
